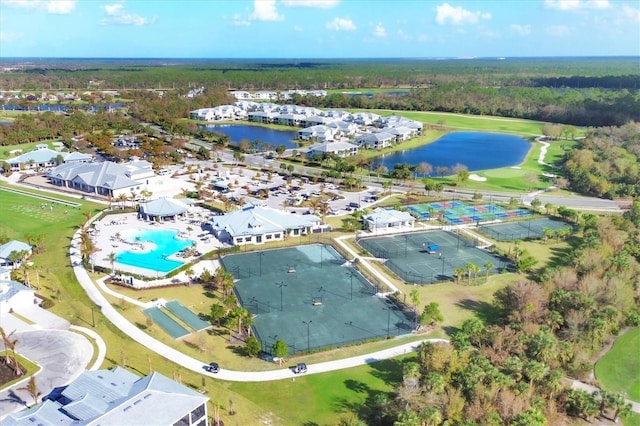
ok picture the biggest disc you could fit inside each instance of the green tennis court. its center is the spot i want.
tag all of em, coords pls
(312, 298)
(412, 260)
(165, 322)
(185, 315)
(523, 229)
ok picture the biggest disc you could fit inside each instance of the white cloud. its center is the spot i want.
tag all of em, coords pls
(632, 13)
(297, 28)
(61, 7)
(522, 30)
(598, 4)
(445, 13)
(265, 10)
(403, 35)
(55, 7)
(320, 4)
(562, 4)
(558, 30)
(117, 15)
(9, 37)
(25, 4)
(577, 4)
(379, 31)
(341, 24)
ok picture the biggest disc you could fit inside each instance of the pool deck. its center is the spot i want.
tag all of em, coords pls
(104, 236)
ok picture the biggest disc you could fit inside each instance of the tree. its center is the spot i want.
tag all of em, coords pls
(536, 203)
(488, 266)
(252, 346)
(581, 404)
(415, 301)
(32, 388)
(431, 314)
(10, 345)
(280, 350)
(424, 168)
(112, 260)
(217, 313)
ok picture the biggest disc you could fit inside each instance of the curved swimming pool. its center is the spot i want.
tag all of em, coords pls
(164, 243)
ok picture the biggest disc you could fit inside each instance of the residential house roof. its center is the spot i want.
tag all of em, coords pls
(114, 397)
(14, 245)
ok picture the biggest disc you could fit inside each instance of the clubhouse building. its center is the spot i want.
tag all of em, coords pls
(259, 225)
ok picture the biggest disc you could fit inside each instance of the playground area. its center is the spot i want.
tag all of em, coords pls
(431, 256)
(460, 213)
(312, 298)
(523, 229)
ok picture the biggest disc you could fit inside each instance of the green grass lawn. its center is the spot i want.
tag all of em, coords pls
(323, 399)
(619, 369)
(632, 419)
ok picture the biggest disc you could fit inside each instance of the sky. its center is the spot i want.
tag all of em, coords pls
(318, 28)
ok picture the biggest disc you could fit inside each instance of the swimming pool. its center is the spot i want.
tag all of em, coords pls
(164, 244)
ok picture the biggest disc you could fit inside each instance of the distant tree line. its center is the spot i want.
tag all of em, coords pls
(584, 92)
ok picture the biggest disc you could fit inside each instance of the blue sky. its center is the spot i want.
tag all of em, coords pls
(318, 28)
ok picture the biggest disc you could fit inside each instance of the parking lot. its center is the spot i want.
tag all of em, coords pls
(284, 191)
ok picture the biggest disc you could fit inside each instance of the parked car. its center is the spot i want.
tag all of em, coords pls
(300, 368)
(213, 367)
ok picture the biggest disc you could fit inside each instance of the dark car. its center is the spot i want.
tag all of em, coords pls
(213, 367)
(300, 368)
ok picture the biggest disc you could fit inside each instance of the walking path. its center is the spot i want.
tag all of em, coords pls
(196, 365)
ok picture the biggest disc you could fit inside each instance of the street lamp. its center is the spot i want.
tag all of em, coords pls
(308, 323)
(406, 238)
(260, 254)
(442, 258)
(281, 284)
(351, 280)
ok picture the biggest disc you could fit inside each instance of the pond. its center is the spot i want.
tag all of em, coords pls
(269, 138)
(477, 151)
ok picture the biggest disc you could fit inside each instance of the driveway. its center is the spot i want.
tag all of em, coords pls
(62, 356)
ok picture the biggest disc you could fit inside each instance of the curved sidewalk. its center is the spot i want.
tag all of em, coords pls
(197, 365)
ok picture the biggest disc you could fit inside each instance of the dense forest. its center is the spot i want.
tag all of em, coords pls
(509, 369)
(578, 91)
(606, 162)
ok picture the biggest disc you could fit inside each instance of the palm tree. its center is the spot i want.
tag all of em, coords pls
(122, 199)
(32, 388)
(458, 273)
(469, 268)
(10, 345)
(488, 266)
(112, 259)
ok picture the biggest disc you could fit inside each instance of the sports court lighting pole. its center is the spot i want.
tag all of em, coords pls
(351, 277)
(442, 258)
(388, 322)
(308, 323)
(406, 238)
(281, 284)
(260, 254)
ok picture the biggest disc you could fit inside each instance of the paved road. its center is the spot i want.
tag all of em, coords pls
(62, 356)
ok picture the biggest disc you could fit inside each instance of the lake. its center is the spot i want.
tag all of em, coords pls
(238, 132)
(477, 151)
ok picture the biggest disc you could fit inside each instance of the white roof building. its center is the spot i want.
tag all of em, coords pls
(10, 247)
(43, 156)
(106, 178)
(258, 225)
(118, 397)
(382, 219)
(341, 149)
